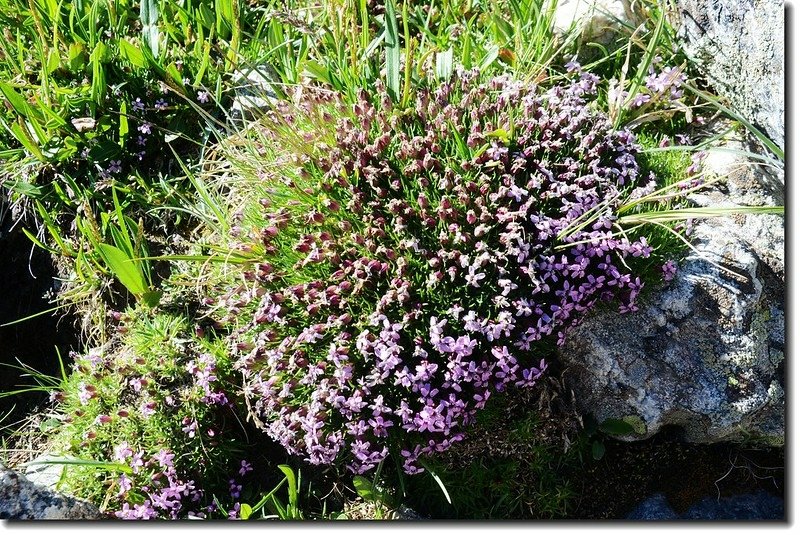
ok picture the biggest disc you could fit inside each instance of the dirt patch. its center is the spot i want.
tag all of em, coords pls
(685, 473)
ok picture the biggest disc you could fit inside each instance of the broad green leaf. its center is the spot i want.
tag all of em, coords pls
(613, 426)
(53, 61)
(173, 72)
(503, 29)
(132, 54)
(488, 59)
(315, 70)
(245, 511)
(124, 268)
(23, 188)
(206, 16)
(152, 299)
(364, 489)
(76, 57)
(223, 9)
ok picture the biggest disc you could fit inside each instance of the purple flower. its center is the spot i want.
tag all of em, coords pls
(114, 167)
(137, 461)
(125, 485)
(145, 128)
(669, 269)
(137, 105)
(122, 451)
(147, 408)
(202, 97)
(640, 99)
(86, 393)
(164, 458)
(473, 278)
(190, 427)
(245, 468)
(235, 489)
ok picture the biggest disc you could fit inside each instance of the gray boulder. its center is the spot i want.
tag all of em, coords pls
(20, 499)
(705, 352)
(254, 94)
(596, 21)
(738, 46)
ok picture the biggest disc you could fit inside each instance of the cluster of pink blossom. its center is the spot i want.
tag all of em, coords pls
(427, 254)
(166, 494)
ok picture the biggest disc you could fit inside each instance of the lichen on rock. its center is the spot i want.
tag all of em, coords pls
(20, 499)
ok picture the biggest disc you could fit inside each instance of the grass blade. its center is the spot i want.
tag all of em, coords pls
(392, 47)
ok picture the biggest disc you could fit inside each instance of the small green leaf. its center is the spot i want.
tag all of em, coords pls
(50, 424)
(245, 511)
(637, 423)
(598, 450)
(76, 57)
(364, 489)
(100, 54)
(501, 134)
(123, 123)
(104, 151)
(53, 61)
(613, 426)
